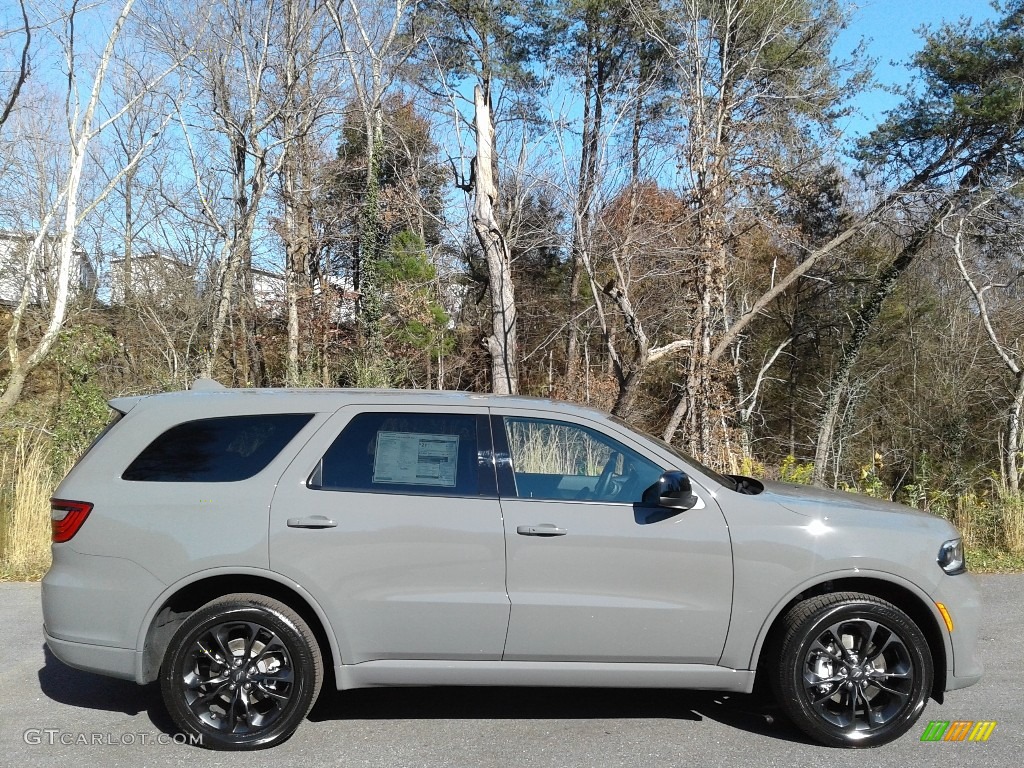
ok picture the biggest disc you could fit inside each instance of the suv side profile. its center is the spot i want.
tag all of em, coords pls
(234, 544)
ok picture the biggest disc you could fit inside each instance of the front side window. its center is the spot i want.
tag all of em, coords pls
(560, 461)
(219, 450)
(408, 453)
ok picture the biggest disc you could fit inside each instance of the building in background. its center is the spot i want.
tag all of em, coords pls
(42, 282)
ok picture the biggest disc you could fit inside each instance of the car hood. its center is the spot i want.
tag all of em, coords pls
(819, 502)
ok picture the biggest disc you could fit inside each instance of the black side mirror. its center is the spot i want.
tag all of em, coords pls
(672, 491)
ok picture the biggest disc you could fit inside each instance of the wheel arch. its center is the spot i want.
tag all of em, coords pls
(181, 599)
(907, 597)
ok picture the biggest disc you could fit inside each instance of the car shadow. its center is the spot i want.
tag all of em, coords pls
(75, 688)
(752, 714)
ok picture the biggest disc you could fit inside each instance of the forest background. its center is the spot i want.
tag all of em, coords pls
(648, 206)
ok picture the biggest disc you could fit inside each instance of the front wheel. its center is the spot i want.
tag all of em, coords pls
(242, 672)
(853, 670)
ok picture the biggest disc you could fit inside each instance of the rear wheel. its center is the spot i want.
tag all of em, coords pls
(242, 672)
(853, 670)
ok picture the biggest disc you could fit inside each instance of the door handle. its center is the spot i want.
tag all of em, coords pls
(314, 521)
(544, 529)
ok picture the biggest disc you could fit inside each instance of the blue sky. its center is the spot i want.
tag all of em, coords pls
(888, 26)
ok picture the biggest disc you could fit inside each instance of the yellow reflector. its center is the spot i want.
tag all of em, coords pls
(945, 616)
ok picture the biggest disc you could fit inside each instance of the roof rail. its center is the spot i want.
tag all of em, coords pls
(206, 385)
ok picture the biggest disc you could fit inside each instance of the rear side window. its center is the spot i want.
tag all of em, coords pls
(410, 453)
(220, 450)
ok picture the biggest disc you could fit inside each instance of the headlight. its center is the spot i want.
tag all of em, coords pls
(951, 557)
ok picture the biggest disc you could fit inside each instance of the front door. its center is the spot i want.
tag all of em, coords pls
(593, 575)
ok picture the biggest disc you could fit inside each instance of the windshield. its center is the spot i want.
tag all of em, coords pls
(719, 478)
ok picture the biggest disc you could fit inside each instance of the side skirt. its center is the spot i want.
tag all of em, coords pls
(371, 674)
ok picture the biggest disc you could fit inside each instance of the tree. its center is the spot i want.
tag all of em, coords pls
(304, 94)
(375, 51)
(488, 44)
(9, 92)
(66, 206)
(1009, 346)
(754, 78)
(961, 133)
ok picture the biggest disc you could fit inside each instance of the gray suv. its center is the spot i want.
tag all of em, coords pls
(237, 544)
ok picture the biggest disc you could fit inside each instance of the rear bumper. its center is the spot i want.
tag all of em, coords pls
(101, 659)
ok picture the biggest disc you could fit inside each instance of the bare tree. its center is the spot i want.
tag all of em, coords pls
(235, 65)
(305, 94)
(67, 207)
(13, 90)
(1010, 352)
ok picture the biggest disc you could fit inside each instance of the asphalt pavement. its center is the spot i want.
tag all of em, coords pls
(51, 715)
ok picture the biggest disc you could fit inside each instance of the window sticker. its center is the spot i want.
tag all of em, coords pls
(416, 459)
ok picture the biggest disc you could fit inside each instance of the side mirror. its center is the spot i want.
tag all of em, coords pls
(672, 491)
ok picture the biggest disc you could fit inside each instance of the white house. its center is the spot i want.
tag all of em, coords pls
(152, 277)
(14, 249)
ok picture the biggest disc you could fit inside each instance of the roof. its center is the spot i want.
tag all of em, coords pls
(323, 399)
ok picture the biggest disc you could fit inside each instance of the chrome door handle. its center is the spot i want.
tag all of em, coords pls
(314, 521)
(544, 529)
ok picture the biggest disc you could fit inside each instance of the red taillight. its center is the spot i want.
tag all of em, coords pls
(66, 517)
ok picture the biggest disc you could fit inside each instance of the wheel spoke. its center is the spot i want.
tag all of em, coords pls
(823, 697)
(833, 635)
(217, 634)
(281, 697)
(852, 697)
(232, 712)
(273, 644)
(283, 675)
(891, 642)
(869, 712)
(823, 649)
(254, 633)
(901, 695)
(896, 675)
(210, 695)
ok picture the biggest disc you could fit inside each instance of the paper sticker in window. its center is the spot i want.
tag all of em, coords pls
(415, 459)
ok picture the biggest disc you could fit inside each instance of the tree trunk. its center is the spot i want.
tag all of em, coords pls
(851, 352)
(501, 343)
(593, 123)
(1015, 438)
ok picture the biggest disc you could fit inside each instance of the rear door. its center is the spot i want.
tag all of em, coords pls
(390, 518)
(592, 574)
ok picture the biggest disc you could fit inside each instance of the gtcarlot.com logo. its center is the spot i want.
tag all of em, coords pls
(958, 730)
(54, 736)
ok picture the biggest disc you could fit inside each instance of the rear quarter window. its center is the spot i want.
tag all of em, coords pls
(218, 450)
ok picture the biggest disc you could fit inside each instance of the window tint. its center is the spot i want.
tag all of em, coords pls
(560, 461)
(411, 453)
(218, 450)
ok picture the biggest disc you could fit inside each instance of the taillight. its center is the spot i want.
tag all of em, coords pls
(66, 517)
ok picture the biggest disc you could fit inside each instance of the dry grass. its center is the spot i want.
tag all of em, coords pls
(28, 480)
(554, 449)
(1013, 525)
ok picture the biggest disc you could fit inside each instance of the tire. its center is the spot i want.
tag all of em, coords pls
(853, 670)
(214, 695)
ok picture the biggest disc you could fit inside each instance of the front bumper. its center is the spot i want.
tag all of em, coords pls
(962, 599)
